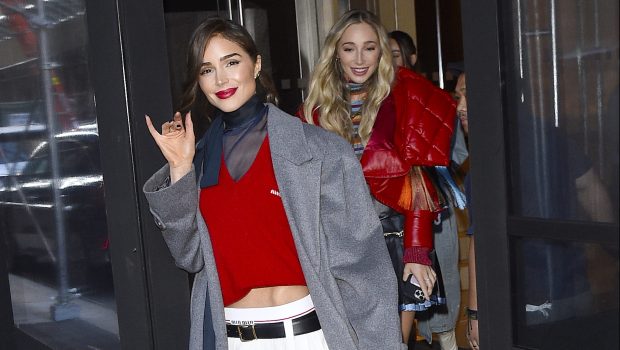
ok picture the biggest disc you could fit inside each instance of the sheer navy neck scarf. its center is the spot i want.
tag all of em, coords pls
(209, 148)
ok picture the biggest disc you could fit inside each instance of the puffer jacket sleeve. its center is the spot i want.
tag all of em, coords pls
(424, 119)
(175, 210)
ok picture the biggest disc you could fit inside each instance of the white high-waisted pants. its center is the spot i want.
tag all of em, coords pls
(283, 313)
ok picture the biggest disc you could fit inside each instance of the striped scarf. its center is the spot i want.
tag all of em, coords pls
(357, 93)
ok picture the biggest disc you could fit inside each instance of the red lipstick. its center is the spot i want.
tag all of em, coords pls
(224, 94)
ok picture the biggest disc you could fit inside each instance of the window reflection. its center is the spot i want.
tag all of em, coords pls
(564, 297)
(563, 161)
(565, 131)
(52, 212)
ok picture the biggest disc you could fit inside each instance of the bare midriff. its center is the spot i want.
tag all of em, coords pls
(271, 296)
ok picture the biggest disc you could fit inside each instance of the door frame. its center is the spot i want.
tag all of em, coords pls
(130, 75)
(485, 95)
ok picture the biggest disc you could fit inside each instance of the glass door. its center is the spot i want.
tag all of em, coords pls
(563, 161)
(83, 264)
(53, 223)
(543, 114)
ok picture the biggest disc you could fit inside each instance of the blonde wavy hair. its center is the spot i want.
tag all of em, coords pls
(329, 96)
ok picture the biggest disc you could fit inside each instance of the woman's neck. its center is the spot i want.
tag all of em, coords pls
(357, 97)
(357, 92)
(244, 116)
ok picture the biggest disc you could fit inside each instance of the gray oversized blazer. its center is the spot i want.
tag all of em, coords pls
(335, 228)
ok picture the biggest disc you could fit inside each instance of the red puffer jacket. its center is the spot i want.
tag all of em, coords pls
(413, 128)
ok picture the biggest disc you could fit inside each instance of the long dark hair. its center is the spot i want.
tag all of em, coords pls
(406, 45)
(192, 98)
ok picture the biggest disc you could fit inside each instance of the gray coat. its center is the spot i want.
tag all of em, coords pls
(336, 232)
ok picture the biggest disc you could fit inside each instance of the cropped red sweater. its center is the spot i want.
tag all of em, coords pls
(251, 238)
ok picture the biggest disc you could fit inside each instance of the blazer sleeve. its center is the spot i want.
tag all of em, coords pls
(175, 211)
(358, 257)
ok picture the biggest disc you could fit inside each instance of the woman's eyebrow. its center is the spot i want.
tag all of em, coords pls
(229, 56)
(223, 58)
(365, 42)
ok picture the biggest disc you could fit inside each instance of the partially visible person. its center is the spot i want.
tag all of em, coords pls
(460, 92)
(386, 115)
(404, 51)
(441, 321)
(272, 215)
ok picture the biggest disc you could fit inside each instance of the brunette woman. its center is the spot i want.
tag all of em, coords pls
(396, 122)
(404, 51)
(281, 232)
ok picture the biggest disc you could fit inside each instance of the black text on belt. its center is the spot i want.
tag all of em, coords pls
(301, 325)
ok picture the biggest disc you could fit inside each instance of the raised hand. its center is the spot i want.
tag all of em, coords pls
(176, 142)
(425, 276)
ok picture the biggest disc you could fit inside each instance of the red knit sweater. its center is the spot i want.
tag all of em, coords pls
(251, 238)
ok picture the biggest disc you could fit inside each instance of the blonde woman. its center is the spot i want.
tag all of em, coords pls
(396, 122)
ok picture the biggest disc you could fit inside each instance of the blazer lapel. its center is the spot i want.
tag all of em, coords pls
(299, 180)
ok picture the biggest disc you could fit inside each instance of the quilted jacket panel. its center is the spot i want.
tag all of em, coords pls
(426, 122)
